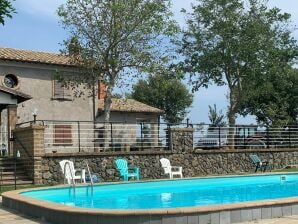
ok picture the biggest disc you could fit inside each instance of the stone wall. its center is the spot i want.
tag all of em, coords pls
(45, 168)
(181, 139)
(199, 163)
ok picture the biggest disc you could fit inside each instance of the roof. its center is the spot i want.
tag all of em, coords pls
(129, 105)
(20, 95)
(18, 55)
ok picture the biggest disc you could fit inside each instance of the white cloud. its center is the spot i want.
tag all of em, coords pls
(45, 8)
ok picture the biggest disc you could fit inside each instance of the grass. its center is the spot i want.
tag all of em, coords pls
(19, 187)
(291, 169)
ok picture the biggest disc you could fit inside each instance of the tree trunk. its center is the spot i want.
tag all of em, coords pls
(107, 108)
(232, 119)
(108, 103)
(232, 128)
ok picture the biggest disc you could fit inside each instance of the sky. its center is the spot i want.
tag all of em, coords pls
(36, 26)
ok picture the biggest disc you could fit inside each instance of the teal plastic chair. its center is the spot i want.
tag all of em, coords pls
(126, 171)
(259, 164)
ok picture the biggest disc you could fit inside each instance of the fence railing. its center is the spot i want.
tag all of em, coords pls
(244, 136)
(69, 136)
(84, 136)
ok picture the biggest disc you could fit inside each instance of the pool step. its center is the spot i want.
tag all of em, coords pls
(13, 172)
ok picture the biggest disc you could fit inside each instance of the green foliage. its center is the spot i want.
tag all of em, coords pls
(216, 117)
(273, 98)
(6, 10)
(293, 96)
(235, 43)
(117, 39)
(165, 93)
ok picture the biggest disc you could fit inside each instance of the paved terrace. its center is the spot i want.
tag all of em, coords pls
(8, 216)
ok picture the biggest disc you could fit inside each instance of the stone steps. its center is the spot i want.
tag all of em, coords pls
(12, 171)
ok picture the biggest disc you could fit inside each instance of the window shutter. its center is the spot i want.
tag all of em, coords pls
(62, 134)
(60, 92)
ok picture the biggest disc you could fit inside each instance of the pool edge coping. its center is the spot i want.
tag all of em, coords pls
(16, 195)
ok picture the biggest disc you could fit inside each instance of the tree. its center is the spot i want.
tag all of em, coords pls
(231, 42)
(273, 99)
(165, 93)
(293, 98)
(6, 10)
(216, 117)
(118, 39)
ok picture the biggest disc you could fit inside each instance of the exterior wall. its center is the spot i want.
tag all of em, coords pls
(36, 80)
(125, 134)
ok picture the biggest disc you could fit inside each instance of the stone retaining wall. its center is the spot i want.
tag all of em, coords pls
(199, 163)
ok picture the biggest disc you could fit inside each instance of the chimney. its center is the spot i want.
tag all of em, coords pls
(101, 90)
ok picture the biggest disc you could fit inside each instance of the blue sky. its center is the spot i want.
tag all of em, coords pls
(36, 27)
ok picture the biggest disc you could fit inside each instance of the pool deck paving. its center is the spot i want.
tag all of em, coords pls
(8, 216)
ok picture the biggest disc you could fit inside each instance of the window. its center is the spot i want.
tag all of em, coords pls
(62, 134)
(11, 81)
(60, 92)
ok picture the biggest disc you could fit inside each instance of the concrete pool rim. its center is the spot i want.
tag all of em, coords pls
(17, 201)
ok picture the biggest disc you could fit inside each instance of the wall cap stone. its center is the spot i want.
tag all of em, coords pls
(33, 127)
(84, 154)
(221, 151)
(182, 129)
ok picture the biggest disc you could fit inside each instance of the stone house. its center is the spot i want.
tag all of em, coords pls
(32, 73)
(134, 122)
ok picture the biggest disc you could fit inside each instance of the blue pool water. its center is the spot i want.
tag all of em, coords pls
(173, 194)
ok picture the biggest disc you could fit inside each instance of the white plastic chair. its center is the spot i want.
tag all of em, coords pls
(70, 172)
(171, 170)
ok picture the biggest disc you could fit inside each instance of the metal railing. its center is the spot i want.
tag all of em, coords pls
(244, 136)
(86, 136)
(81, 136)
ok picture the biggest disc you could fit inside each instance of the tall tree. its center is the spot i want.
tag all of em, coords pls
(230, 42)
(6, 10)
(118, 38)
(165, 93)
(293, 99)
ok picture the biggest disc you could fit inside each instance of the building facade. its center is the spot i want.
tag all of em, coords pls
(35, 74)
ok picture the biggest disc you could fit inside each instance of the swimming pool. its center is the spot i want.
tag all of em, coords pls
(174, 194)
(220, 200)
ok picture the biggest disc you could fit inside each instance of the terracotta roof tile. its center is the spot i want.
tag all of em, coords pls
(34, 57)
(129, 105)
